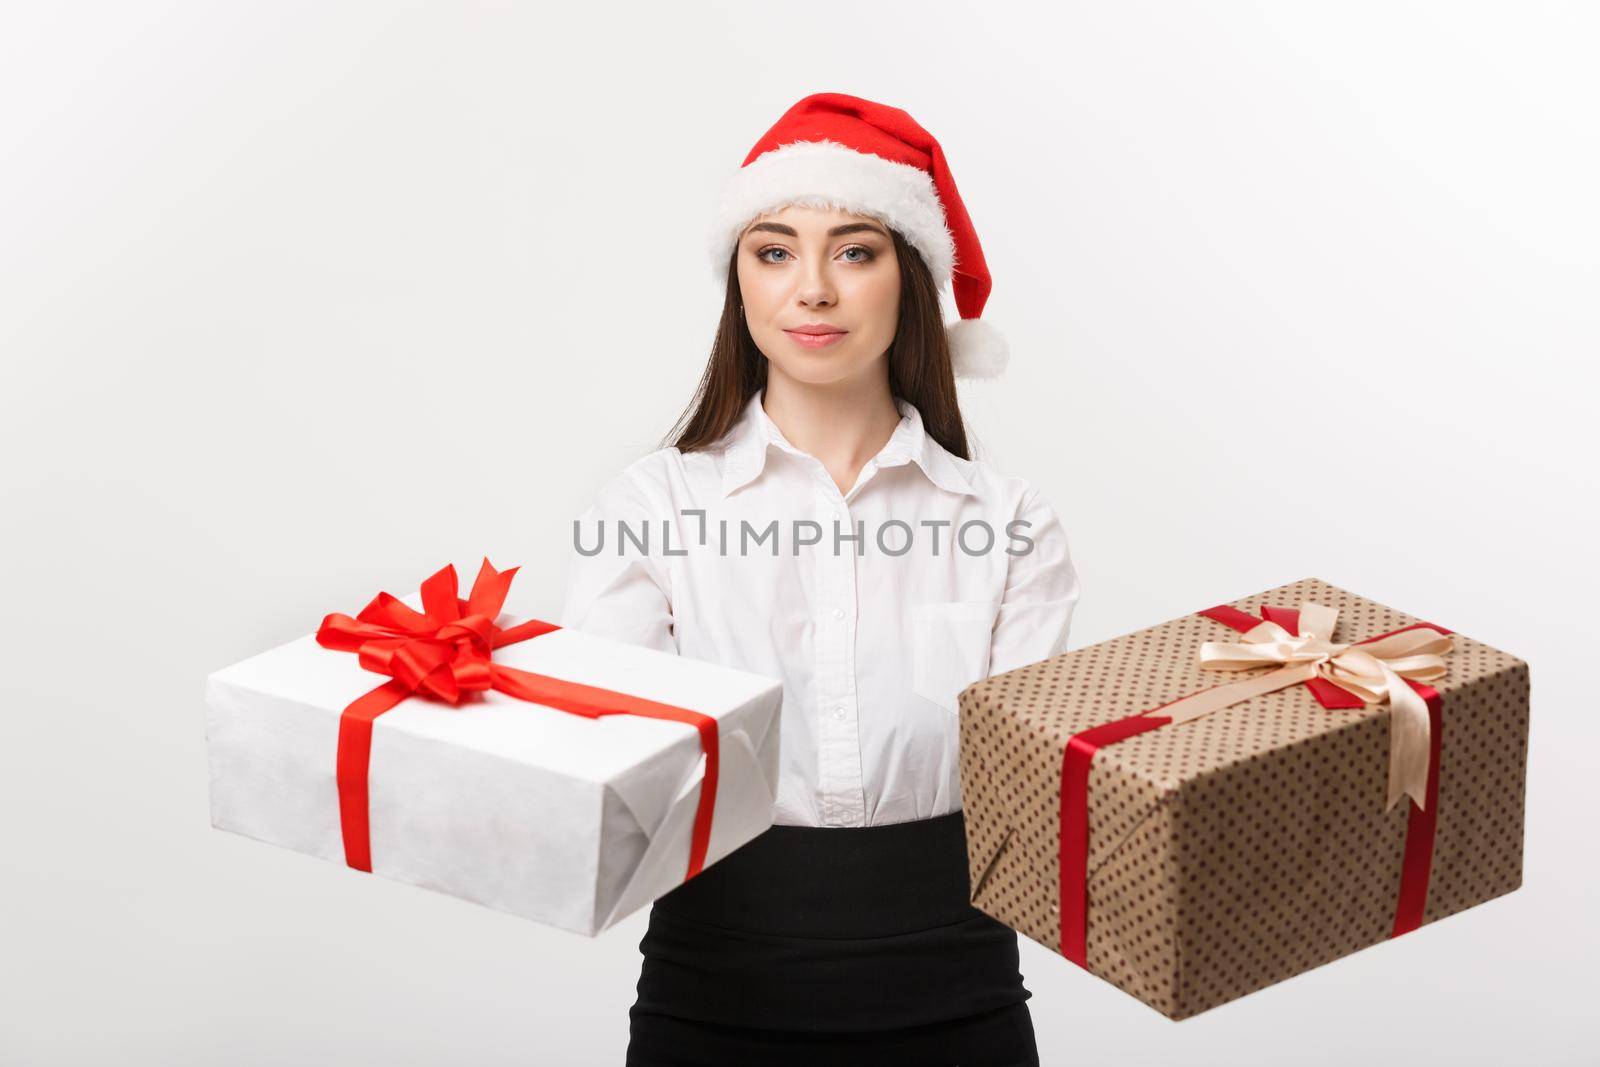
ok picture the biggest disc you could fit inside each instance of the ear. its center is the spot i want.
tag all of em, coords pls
(977, 349)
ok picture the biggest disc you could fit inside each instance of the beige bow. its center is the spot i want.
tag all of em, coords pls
(1375, 671)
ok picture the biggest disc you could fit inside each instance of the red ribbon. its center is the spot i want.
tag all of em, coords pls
(445, 652)
(1081, 748)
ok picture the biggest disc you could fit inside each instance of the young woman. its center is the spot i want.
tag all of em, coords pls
(829, 528)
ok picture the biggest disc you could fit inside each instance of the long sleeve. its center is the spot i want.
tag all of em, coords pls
(627, 596)
(1041, 592)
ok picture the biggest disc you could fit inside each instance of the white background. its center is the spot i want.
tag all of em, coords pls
(301, 301)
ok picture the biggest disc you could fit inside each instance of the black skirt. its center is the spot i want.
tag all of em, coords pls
(845, 945)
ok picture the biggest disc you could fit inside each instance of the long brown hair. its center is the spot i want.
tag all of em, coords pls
(919, 364)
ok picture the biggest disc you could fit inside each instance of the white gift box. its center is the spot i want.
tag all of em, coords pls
(567, 820)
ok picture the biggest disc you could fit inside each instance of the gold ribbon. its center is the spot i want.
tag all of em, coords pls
(1374, 671)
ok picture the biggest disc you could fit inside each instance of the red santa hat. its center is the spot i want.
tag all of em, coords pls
(833, 150)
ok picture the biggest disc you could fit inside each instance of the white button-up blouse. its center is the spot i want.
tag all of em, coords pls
(874, 608)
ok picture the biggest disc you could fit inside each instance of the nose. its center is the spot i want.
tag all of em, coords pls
(816, 287)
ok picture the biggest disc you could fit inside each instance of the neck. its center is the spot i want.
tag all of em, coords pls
(842, 424)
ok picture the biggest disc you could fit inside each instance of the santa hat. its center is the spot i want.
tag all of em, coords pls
(833, 150)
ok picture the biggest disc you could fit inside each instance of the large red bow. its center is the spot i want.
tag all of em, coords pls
(446, 651)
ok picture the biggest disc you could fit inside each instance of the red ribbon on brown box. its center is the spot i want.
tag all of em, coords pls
(1338, 676)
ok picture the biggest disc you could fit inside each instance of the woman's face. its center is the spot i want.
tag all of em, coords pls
(820, 267)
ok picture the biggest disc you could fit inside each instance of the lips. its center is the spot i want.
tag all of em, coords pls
(816, 335)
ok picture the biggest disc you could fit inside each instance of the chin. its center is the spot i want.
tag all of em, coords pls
(815, 368)
(820, 366)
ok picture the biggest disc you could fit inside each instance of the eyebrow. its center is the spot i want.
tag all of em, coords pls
(837, 231)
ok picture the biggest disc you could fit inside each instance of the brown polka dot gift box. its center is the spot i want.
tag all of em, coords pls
(1208, 806)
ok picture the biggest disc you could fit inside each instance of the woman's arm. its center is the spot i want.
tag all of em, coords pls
(624, 597)
(1041, 591)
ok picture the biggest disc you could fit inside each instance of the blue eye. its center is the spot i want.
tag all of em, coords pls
(866, 255)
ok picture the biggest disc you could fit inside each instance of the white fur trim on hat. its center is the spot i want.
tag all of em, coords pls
(977, 349)
(829, 174)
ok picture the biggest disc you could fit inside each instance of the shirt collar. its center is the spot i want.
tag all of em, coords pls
(754, 432)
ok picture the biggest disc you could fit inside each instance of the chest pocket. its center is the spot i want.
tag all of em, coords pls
(949, 648)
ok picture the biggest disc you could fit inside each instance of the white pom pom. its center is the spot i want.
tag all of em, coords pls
(977, 349)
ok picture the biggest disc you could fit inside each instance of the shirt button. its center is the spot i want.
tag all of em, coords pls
(838, 713)
(838, 613)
